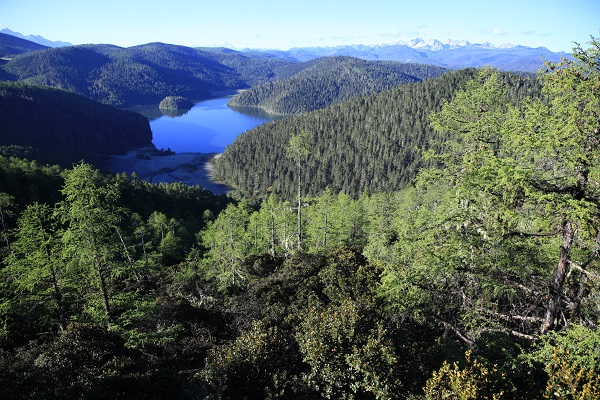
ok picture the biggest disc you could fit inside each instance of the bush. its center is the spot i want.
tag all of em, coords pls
(474, 381)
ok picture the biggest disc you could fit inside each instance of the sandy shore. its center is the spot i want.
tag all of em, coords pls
(189, 168)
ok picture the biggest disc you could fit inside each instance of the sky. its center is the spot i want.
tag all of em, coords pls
(283, 24)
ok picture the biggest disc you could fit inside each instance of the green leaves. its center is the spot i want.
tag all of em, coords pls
(372, 143)
(37, 270)
(347, 353)
(228, 244)
(513, 203)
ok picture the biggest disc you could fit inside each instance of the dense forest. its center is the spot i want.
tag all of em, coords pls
(140, 74)
(373, 143)
(330, 80)
(147, 73)
(475, 277)
(11, 46)
(61, 127)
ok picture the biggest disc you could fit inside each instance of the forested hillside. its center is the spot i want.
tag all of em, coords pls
(140, 74)
(479, 279)
(11, 46)
(254, 67)
(328, 81)
(64, 127)
(371, 144)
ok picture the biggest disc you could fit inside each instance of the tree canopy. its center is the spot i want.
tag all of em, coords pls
(478, 279)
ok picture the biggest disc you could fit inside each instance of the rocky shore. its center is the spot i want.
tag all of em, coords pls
(189, 168)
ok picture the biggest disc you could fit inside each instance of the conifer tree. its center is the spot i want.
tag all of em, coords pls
(91, 214)
(35, 267)
(298, 151)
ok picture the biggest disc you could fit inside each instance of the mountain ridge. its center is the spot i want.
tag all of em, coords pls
(454, 54)
(335, 79)
(140, 74)
(147, 73)
(11, 46)
(36, 39)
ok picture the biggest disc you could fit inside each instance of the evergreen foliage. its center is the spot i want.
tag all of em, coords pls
(373, 143)
(480, 280)
(64, 127)
(328, 81)
(141, 74)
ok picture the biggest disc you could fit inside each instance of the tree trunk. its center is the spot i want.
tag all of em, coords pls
(132, 267)
(272, 239)
(62, 318)
(558, 280)
(104, 291)
(583, 283)
(299, 206)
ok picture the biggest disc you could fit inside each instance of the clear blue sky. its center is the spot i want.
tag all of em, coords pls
(554, 24)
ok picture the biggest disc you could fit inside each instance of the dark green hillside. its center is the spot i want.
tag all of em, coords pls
(113, 75)
(66, 125)
(11, 46)
(64, 67)
(253, 67)
(373, 143)
(479, 280)
(140, 74)
(319, 83)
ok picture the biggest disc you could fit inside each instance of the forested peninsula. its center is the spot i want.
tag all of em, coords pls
(330, 80)
(368, 144)
(436, 240)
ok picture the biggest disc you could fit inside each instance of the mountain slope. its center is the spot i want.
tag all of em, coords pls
(64, 126)
(367, 144)
(119, 76)
(11, 46)
(136, 75)
(330, 80)
(254, 67)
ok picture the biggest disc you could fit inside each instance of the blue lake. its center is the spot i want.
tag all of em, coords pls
(208, 127)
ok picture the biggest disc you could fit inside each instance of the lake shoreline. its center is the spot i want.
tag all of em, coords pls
(196, 137)
(194, 169)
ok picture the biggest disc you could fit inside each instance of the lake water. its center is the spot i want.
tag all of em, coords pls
(208, 127)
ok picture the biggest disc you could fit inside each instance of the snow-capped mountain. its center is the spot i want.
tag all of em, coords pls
(451, 54)
(437, 45)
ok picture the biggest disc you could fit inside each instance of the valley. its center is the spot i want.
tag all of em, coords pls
(422, 230)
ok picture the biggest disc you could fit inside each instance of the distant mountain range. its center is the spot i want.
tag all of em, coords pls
(453, 54)
(36, 39)
(148, 73)
(449, 54)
